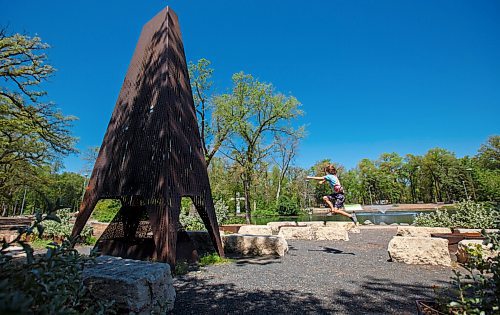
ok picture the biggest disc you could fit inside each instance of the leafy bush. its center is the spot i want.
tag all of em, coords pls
(287, 206)
(468, 214)
(477, 291)
(194, 222)
(212, 259)
(106, 209)
(45, 284)
(62, 229)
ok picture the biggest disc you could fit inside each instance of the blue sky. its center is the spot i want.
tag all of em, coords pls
(373, 76)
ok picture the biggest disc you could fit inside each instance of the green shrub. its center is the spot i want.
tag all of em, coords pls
(478, 290)
(106, 209)
(212, 259)
(468, 214)
(45, 284)
(62, 229)
(194, 222)
(287, 206)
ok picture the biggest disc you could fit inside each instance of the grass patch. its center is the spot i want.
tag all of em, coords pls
(213, 259)
(40, 243)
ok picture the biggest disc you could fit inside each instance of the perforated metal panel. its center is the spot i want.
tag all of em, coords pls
(151, 155)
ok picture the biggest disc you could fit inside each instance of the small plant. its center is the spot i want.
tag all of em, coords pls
(181, 268)
(468, 214)
(478, 290)
(212, 259)
(45, 284)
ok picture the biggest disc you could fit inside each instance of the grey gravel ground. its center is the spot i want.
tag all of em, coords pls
(315, 277)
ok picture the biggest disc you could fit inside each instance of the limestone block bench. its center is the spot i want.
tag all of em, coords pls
(259, 245)
(349, 226)
(137, 287)
(420, 231)
(296, 232)
(255, 230)
(419, 250)
(463, 256)
(275, 226)
(326, 233)
(329, 233)
(312, 224)
(460, 230)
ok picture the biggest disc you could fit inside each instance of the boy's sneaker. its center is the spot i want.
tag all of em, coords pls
(329, 214)
(354, 218)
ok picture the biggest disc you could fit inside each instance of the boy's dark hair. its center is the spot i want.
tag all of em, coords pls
(330, 169)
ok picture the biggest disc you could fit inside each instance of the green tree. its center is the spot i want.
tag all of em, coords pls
(260, 114)
(32, 133)
(215, 119)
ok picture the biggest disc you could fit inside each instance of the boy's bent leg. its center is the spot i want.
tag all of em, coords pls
(329, 203)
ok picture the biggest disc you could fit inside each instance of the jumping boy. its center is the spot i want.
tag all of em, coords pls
(338, 192)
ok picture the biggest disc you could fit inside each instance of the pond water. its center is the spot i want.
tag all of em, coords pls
(374, 217)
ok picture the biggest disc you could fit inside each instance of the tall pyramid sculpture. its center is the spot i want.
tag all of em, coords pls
(151, 155)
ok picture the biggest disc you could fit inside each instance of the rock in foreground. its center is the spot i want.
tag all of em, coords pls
(137, 287)
(419, 250)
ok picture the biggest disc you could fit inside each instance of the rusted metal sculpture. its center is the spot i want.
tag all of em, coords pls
(151, 154)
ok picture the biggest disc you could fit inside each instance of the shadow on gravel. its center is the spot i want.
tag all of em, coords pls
(330, 250)
(381, 296)
(195, 296)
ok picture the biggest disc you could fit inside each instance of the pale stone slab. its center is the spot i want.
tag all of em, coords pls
(275, 226)
(419, 250)
(255, 230)
(460, 230)
(259, 245)
(296, 233)
(137, 287)
(351, 227)
(420, 231)
(463, 256)
(328, 233)
(311, 223)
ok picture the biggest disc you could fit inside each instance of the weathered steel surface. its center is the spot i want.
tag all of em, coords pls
(151, 155)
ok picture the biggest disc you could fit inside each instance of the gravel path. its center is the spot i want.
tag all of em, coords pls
(315, 277)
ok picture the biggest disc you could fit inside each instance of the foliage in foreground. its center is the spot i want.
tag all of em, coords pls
(468, 214)
(477, 291)
(51, 283)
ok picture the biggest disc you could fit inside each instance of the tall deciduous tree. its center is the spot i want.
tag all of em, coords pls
(215, 118)
(260, 113)
(32, 132)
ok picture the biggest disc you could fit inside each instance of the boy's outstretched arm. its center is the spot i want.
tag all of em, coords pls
(315, 177)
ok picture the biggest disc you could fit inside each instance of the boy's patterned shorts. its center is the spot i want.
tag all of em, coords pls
(337, 199)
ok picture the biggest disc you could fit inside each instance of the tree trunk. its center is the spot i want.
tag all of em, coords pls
(246, 190)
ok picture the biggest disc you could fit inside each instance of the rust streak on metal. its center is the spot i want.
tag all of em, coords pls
(151, 155)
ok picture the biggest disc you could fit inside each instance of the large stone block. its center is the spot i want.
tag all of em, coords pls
(137, 287)
(420, 231)
(463, 255)
(460, 230)
(275, 226)
(349, 226)
(255, 230)
(328, 233)
(419, 250)
(297, 232)
(312, 224)
(259, 245)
